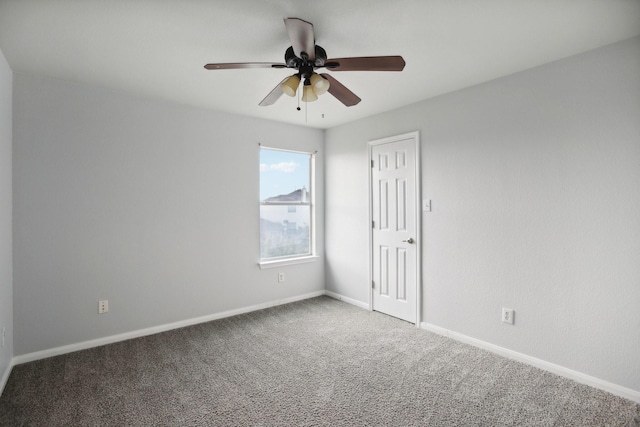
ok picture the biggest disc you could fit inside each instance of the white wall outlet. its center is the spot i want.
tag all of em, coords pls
(4, 333)
(103, 306)
(507, 315)
(280, 277)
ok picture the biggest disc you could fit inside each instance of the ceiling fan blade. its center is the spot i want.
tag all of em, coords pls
(301, 36)
(366, 63)
(238, 65)
(274, 95)
(340, 91)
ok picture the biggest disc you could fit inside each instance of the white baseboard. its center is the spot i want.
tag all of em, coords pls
(5, 376)
(347, 299)
(618, 390)
(612, 388)
(30, 357)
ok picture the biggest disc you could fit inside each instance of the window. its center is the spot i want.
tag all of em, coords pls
(286, 209)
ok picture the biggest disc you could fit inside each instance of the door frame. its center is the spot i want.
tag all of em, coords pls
(418, 216)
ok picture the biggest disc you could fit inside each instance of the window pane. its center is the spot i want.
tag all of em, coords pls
(285, 211)
(284, 232)
(282, 173)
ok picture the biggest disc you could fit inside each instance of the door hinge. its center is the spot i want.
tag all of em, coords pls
(373, 224)
(373, 284)
(371, 163)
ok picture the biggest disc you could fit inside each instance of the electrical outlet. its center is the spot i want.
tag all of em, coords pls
(507, 315)
(280, 277)
(103, 306)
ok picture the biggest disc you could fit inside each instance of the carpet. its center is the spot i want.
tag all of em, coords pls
(317, 362)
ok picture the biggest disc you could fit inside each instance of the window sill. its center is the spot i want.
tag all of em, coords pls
(287, 261)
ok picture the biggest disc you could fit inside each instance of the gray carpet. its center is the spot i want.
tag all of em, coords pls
(311, 363)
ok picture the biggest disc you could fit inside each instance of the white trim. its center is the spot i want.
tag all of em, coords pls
(418, 165)
(347, 300)
(418, 215)
(312, 153)
(287, 261)
(43, 354)
(370, 223)
(5, 375)
(616, 389)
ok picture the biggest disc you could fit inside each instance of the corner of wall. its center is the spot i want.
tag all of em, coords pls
(6, 221)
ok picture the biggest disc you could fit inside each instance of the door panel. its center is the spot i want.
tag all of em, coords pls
(384, 204)
(402, 276)
(401, 205)
(384, 270)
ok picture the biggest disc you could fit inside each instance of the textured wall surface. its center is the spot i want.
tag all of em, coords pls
(149, 204)
(534, 184)
(6, 268)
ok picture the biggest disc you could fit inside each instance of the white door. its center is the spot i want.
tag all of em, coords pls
(395, 247)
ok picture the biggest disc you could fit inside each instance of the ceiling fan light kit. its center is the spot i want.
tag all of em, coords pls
(305, 56)
(314, 86)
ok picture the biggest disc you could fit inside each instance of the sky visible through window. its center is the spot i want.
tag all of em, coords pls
(282, 172)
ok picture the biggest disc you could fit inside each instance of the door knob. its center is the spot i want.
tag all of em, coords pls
(409, 240)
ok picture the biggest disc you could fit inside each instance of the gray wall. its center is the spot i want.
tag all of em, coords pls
(149, 204)
(534, 180)
(6, 275)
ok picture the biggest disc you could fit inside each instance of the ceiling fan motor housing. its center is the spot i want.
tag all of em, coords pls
(293, 61)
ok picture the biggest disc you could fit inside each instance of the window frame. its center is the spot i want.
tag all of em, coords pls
(311, 256)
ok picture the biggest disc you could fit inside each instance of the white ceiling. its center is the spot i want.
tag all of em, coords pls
(158, 48)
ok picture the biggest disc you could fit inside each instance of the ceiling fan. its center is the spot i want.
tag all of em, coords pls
(305, 56)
